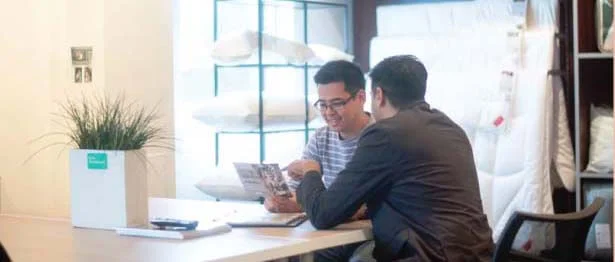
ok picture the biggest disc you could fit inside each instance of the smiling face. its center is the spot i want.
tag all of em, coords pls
(338, 107)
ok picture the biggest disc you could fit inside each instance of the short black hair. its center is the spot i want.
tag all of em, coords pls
(341, 71)
(403, 79)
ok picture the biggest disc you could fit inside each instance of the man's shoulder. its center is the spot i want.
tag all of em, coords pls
(322, 132)
(385, 126)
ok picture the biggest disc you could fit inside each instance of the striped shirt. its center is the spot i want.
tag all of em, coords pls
(332, 153)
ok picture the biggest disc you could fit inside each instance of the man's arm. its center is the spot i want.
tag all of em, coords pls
(365, 176)
(290, 205)
(310, 152)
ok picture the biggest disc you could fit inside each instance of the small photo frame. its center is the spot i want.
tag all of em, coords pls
(78, 75)
(81, 55)
(87, 74)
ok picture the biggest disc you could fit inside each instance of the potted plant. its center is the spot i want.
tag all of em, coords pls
(108, 165)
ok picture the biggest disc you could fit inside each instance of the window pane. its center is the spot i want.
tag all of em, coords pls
(238, 148)
(284, 148)
(327, 25)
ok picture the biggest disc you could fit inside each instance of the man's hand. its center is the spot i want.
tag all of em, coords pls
(275, 204)
(360, 214)
(298, 168)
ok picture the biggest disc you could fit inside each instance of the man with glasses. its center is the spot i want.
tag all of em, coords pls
(413, 168)
(341, 100)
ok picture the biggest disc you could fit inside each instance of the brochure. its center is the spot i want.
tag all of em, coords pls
(263, 179)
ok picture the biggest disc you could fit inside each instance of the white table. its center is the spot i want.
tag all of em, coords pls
(31, 239)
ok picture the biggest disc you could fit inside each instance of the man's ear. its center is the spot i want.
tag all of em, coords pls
(361, 96)
(379, 96)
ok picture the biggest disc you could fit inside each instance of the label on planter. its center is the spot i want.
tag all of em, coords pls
(97, 160)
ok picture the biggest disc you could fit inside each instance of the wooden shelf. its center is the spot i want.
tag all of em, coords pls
(595, 87)
(586, 26)
(595, 55)
(587, 175)
(591, 84)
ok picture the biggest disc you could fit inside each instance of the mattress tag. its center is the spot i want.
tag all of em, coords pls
(516, 35)
(603, 236)
(507, 81)
(514, 46)
(507, 84)
(498, 121)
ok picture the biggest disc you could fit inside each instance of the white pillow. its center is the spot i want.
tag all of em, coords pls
(564, 154)
(294, 52)
(238, 46)
(223, 183)
(239, 111)
(235, 46)
(325, 53)
(601, 140)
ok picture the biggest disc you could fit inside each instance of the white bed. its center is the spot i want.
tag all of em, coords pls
(464, 58)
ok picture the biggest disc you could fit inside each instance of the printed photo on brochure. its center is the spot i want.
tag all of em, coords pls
(263, 179)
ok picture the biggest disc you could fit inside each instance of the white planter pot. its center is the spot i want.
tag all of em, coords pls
(108, 188)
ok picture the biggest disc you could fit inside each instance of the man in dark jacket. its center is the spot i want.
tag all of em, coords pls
(414, 169)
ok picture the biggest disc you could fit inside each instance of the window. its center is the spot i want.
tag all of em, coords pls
(194, 85)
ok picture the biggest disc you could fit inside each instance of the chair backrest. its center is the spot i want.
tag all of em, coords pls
(568, 247)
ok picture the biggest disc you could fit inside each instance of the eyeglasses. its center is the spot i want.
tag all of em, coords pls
(336, 104)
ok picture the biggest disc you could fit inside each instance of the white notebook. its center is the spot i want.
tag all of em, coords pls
(200, 231)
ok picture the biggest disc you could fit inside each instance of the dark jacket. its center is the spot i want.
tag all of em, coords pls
(415, 171)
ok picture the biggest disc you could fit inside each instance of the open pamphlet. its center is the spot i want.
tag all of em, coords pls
(263, 179)
(204, 229)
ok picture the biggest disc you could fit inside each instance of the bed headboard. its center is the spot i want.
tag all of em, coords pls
(364, 24)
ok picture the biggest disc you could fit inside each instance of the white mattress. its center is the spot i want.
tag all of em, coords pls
(447, 17)
(464, 73)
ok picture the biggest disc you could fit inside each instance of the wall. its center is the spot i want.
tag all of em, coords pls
(139, 61)
(28, 78)
(132, 45)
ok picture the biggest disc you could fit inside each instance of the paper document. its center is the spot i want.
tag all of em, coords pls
(262, 179)
(265, 219)
(200, 231)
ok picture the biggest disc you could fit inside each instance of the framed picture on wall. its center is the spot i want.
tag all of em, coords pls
(87, 74)
(78, 75)
(81, 55)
